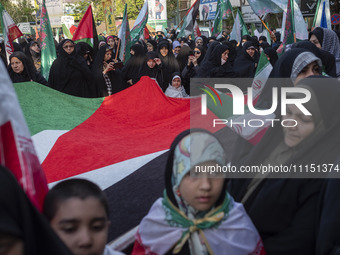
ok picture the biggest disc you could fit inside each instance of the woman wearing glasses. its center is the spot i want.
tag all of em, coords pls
(193, 65)
(69, 72)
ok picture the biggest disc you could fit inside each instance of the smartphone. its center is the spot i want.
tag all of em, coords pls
(191, 53)
(118, 65)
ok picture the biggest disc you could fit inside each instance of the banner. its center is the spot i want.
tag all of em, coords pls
(157, 14)
(110, 15)
(208, 9)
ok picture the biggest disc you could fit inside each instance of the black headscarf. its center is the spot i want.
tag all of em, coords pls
(28, 74)
(18, 217)
(214, 68)
(282, 69)
(155, 72)
(244, 63)
(328, 59)
(83, 48)
(70, 74)
(169, 62)
(132, 67)
(272, 54)
(318, 32)
(182, 57)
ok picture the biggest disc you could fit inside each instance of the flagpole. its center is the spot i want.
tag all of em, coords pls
(316, 14)
(264, 24)
(117, 49)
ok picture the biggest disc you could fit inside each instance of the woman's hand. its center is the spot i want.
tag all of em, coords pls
(158, 61)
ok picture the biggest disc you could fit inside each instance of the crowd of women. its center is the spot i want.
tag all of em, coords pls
(199, 214)
(81, 70)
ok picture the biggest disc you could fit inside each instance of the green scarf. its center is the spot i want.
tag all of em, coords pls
(177, 218)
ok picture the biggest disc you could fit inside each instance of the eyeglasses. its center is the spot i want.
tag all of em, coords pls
(198, 52)
(68, 46)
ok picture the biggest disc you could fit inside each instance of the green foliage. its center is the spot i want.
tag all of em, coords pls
(133, 8)
(81, 7)
(21, 12)
(171, 6)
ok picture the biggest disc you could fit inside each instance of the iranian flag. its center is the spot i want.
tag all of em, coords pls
(86, 30)
(9, 29)
(137, 32)
(189, 20)
(17, 152)
(261, 76)
(125, 38)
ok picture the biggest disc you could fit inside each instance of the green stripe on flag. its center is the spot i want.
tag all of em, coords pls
(48, 109)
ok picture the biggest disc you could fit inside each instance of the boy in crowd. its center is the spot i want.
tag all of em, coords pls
(78, 212)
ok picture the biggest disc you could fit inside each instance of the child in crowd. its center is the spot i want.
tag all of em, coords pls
(196, 215)
(78, 211)
(176, 89)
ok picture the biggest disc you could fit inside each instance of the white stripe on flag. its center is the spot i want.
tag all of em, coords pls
(44, 141)
(107, 176)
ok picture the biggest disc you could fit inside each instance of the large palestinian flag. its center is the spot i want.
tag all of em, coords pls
(119, 142)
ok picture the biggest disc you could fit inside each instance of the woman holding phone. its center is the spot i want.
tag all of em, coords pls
(109, 79)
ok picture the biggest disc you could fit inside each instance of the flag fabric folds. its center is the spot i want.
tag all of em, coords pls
(262, 7)
(137, 32)
(125, 125)
(189, 20)
(261, 76)
(66, 32)
(223, 9)
(48, 52)
(125, 38)
(86, 30)
(239, 28)
(17, 152)
(9, 29)
(322, 16)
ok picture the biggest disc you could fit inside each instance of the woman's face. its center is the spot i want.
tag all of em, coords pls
(225, 55)
(176, 83)
(315, 41)
(132, 52)
(35, 48)
(17, 65)
(197, 53)
(164, 51)
(108, 55)
(305, 126)
(309, 70)
(111, 42)
(199, 42)
(149, 47)
(251, 52)
(68, 47)
(201, 192)
(151, 63)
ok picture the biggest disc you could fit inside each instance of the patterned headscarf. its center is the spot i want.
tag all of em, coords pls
(192, 150)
